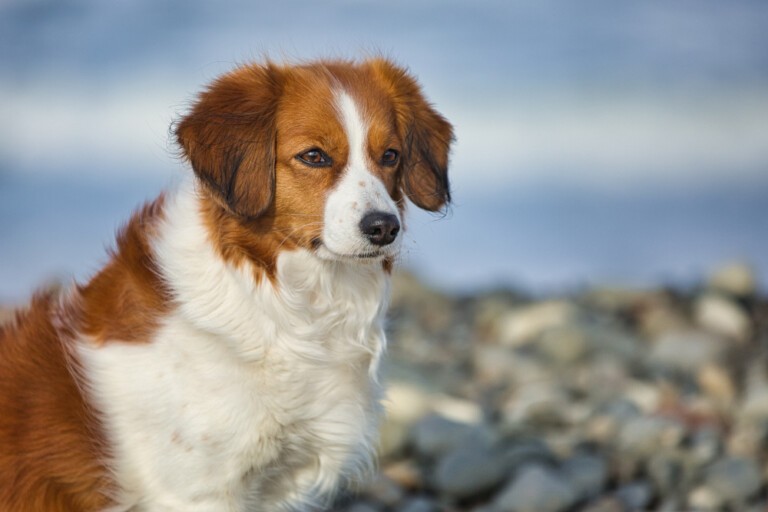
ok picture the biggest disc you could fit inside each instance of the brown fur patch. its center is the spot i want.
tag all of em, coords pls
(51, 447)
(126, 299)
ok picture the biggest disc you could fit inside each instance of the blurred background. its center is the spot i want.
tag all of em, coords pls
(611, 163)
(598, 141)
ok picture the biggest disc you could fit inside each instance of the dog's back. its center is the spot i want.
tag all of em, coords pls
(50, 459)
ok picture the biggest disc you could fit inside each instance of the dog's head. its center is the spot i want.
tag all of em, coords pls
(325, 151)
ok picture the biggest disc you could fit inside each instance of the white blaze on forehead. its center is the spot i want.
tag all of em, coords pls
(358, 191)
(355, 128)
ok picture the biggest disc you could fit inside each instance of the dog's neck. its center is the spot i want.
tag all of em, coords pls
(313, 308)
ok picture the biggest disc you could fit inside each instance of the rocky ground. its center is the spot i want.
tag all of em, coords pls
(604, 401)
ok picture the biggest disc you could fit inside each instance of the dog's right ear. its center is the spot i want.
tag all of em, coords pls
(229, 137)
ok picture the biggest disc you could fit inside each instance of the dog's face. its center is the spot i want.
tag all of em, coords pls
(325, 153)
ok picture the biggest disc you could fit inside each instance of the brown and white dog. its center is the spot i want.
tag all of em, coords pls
(225, 357)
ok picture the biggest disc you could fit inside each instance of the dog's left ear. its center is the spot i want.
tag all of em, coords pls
(229, 138)
(426, 134)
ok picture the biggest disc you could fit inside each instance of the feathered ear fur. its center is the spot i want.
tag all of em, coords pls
(229, 138)
(426, 134)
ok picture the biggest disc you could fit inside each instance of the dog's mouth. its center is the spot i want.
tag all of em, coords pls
(324, 252)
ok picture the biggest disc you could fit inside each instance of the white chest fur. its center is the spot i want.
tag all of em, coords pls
(251, 396)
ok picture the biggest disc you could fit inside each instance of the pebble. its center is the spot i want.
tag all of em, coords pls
(688, 351)
(586, 474)
(536, 489)
(419, 504)
(436, 435)
(721, 315)
(635, 496)
(363, 506)
(564, 345)
(645, 435)
(406, 473)
(384, 490)
(736, 279)
(706, 445)
(598, 402)
(734, 479)
(609, 504)
(705, 499)
(524, 324)
(470, 470)
(717, 383)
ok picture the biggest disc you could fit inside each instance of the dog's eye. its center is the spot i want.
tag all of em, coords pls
(315, 158)
(390, 157)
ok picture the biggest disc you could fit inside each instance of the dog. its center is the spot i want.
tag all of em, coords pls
(225, 358)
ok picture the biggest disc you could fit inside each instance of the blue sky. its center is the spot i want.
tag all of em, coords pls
(654, 105)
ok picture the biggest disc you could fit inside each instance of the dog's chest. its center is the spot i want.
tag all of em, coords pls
(271, 411)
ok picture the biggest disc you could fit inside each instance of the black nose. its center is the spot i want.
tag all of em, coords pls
(380, 228)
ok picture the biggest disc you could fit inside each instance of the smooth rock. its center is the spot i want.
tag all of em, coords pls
(721, 315)
(607, 504)
(522, 325)
(734, 479)
(635, 496)
(736, 279)
(754, 407)
(536, 489)
(363, 506)
(717, 383)
(608, 419)
(494, 364)
(645, 435)
(419, 504)
(705, 499)
(706, 444)
(436, 435)
(385, 491)
(538, 404)
(405, 473)
(564, 345)
(586, 474)
(523, 452)
(687, 351)
(667, 471)
(470, 471)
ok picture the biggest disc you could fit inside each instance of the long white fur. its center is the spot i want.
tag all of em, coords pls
(251, 396)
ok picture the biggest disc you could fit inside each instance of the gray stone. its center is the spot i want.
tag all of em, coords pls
(564, 345)
(522, 452)
(635, 496)
(687, 351)
(609, 504)
(536, 489)
(706, 444)
(469, 471)
(621, 410)
(754, 406)
(419, 504)
(523, 325)
(586, 474)
(363, 506)
(385, 491)
(734, 479)
(723, 316)
(667, 471)
(436, 435)
(645, 435)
